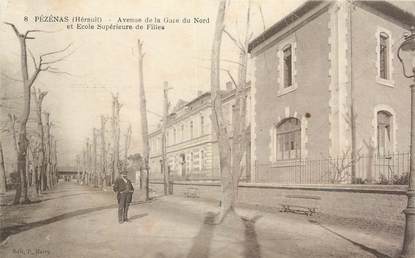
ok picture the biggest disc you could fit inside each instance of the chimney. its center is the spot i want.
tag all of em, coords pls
(229, 85)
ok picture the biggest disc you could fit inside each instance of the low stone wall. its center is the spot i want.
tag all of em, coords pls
(383, 203)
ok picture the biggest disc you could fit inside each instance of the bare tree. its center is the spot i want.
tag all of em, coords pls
(38, 99)
(78, 168)
(55, 163)
(48, 151)
(94, 156)
(340, 167)
(2, 172)
(34, 147)
(164, 169)
(127, 144)
(116, 136)
(240, 129)
(28, 81)
(230, 158)
(143, 116)
(228, 196)
(102, 177)
(84, 166)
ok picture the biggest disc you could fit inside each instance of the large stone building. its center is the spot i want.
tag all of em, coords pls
(191, 145)
(324, 69)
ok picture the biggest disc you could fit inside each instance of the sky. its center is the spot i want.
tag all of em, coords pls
(105, 62)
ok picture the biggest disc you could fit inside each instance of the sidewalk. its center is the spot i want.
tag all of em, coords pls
(78, 221)
(330, 233)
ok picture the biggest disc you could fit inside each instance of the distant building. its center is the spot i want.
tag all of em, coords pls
(312, 69)
(192, 151)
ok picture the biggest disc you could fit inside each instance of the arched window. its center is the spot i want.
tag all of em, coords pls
(384, 132)
(288, 139)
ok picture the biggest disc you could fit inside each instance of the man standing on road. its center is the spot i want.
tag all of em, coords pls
(124, 189)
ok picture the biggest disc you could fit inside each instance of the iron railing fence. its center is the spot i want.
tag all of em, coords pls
(367, 169)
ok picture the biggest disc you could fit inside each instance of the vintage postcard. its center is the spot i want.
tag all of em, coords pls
(207, 128)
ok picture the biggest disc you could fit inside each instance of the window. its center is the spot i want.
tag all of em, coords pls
(286, 56)
(287, 61)
(182, 132)
(384, 56)
(202, 160)
(384, 121)
(288, 139)
(202, 125)
(191, 129)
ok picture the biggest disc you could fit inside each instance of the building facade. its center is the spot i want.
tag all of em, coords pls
(327, 85)
(191, 146)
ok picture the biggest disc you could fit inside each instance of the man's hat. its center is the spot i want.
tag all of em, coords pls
(123, 172)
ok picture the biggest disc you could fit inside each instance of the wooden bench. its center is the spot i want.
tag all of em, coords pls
(192, 192)
(307, 204)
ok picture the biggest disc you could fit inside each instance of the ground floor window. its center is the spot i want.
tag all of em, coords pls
(288, 139)
(384, 132)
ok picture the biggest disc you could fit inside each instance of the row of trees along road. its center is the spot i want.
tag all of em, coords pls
(38, 146)
(99, 164)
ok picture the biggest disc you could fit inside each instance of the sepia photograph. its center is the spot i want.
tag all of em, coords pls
(207, 128)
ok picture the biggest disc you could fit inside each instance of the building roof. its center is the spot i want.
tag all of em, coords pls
(392, 10)
(284, 22)
(225, 94)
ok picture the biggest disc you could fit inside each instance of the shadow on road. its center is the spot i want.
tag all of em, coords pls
(201, 243)
(62, 196)
(137, 216)
(251, 245)
(7, 231)
(361, 246)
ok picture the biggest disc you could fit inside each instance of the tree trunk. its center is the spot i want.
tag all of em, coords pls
(163, 140)
(116, 136)
(47, 176)
(55, 164)
(127, 143)
(228, 197)
(102, 176)
(94, 157)
(143, 116)
(38, 98)
(2, 172)
(84, 166)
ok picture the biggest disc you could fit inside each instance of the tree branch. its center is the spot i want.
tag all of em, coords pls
(56, 52)
(33, 59)
(234, 40)
(233, 80)
(14, 28)
(56, 71)
(59, 59)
